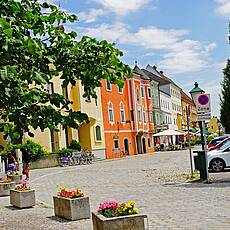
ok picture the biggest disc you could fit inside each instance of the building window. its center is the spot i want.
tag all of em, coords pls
(149, 93)
(138, 95)
(122, 112)
(98, 133)
(120, 89)
(116, 144)
(65, 92)
(131, 115)
(144, 117)
(108, 86)
(151, 117)
(142, 92)
(149, 142)
(111, 118)
(139, 114)
(49, 88)
(88, 99)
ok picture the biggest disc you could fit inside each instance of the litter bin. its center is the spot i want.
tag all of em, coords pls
(200, 164)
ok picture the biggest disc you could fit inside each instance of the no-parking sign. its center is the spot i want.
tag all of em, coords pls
(203, 104)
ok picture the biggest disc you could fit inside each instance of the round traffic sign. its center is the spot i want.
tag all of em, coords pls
(203, 99)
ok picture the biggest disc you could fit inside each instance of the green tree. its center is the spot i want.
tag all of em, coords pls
(225, 99)
(34, 49)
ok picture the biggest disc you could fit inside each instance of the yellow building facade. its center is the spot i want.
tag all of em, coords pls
(90, 136)
(187, 101)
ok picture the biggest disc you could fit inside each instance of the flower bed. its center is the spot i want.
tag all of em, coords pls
(71, 204)
(22, 196)
(16, 176)
(5, 186)
(113, 216)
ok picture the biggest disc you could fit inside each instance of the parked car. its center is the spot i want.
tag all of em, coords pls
(218, 145)
(217, 140)
(218, 160)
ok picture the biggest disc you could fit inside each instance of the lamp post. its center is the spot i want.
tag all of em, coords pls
(195, 92)
(219, 126)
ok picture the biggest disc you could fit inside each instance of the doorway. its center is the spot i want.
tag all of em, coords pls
(138, 144)
(126, 144)
(144, 145)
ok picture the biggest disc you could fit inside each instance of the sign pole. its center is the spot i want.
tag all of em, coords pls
(206, 152)
(189, 141)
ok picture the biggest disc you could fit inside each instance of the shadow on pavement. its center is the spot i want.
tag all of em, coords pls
(55, 218)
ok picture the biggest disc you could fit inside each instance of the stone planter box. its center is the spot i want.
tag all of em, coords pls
(6, 187)
(22, 199)
(130, 222)
(72, 209)
(15, 178)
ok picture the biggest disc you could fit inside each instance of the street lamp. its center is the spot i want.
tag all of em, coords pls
(219, 125)
(195, 92)
(201, 158)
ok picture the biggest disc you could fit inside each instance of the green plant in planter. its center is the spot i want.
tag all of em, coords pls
(75, 145)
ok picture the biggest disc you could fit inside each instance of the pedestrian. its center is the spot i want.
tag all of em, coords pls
(11, 162)
(26, 162)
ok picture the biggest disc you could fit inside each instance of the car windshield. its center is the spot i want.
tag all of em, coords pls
(225, 145)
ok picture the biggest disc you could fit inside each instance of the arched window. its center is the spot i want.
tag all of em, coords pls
(110, 109)
(122, 112)
(98, 133)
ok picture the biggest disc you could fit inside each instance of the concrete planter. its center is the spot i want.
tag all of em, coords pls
(15, 178)
(22, 199)
(6, 187)
(130, 222)
(72, 209)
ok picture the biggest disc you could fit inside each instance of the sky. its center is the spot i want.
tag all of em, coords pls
(187, 40)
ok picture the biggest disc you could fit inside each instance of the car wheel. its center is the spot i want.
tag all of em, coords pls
(217, 165)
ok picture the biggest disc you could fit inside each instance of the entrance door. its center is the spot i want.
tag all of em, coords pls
(138, 144)
(144, 145)
(126, 144)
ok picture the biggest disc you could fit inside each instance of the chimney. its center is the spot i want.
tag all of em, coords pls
(161, 72)
(154, 67)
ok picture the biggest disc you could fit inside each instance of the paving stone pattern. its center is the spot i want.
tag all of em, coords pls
(156, 182)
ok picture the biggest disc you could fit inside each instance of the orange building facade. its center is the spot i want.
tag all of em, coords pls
(128, 118)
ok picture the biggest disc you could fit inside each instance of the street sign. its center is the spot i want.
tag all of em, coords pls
(204, 117)
(203, 104)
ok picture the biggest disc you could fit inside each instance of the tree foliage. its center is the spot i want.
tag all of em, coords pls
(225, 99)
(35, 47)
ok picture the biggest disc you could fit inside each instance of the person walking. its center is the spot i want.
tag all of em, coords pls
(26, 162)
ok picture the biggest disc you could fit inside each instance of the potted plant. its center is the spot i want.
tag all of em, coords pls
(22, 196)
(112, 216)
(5, 186)
(16, 177)
(71, 204)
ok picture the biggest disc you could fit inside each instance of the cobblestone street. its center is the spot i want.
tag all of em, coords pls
(156, 182)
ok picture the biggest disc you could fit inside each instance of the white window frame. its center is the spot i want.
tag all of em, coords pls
(122, 109)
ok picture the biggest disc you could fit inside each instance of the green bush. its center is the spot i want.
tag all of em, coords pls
(35, 150)
(64, 152)
(198, 141)
(75, 145)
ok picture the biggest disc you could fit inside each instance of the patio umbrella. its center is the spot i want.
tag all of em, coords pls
(168, 132)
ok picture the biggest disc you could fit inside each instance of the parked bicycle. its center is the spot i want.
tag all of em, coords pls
(76, 158)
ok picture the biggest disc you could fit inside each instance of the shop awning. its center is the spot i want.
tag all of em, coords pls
(169, 132)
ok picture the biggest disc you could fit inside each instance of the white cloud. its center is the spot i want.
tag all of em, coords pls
(224, 8)
(90, 16)
(121, 7)
(186, 56)
(180, 55)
